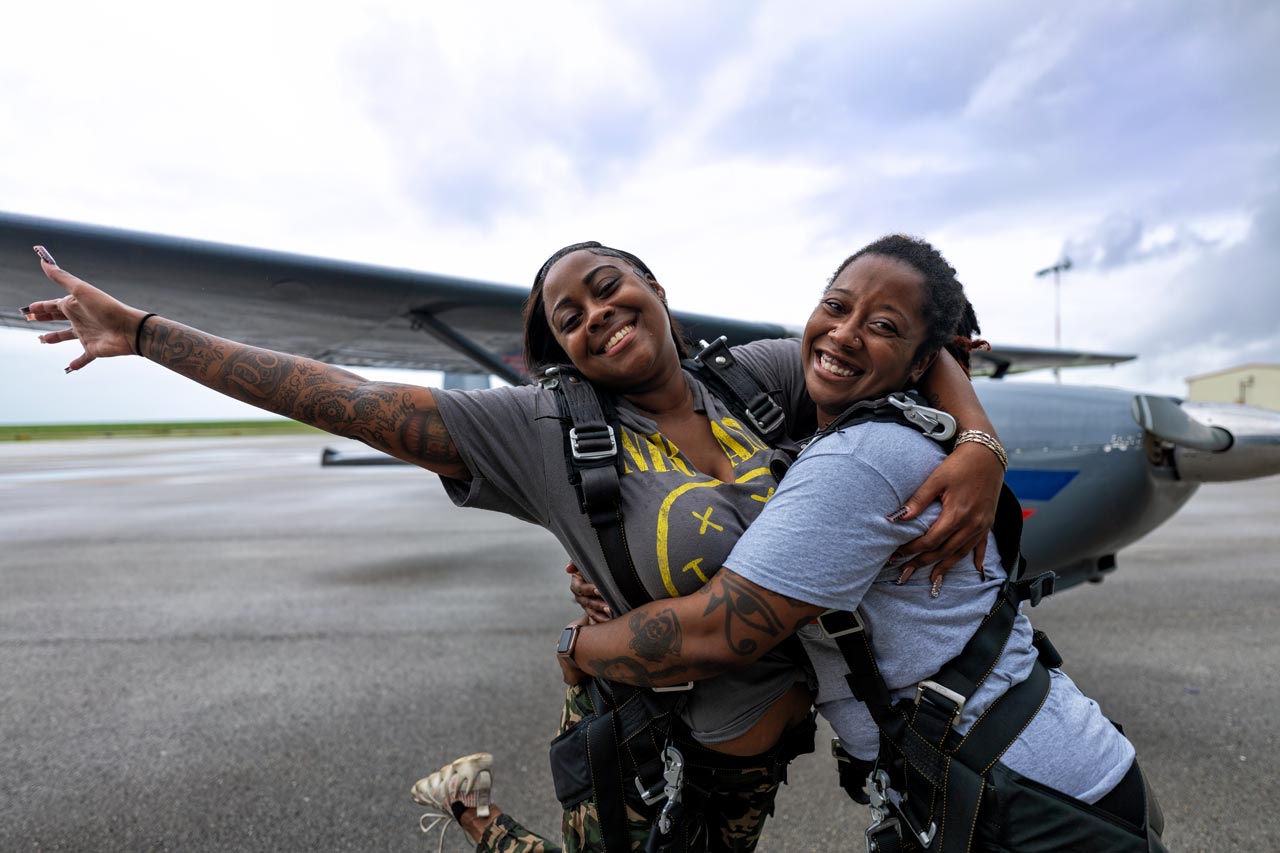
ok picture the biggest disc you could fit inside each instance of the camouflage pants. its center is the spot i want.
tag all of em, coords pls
(729, 819)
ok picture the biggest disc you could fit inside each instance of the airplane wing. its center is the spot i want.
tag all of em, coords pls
(335, 311)
(1000, 361)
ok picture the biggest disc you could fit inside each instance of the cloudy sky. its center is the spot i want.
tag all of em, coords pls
(742, 149)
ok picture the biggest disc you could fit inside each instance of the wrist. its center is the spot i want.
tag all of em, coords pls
(137, 333)
(568, 643)
(990, 442)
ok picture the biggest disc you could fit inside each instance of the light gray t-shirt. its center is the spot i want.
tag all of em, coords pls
(680, 523)
(843, 484)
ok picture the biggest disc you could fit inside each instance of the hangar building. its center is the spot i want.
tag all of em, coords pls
(1251, 384)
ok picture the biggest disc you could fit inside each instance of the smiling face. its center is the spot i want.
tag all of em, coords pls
(861, 341)
(611, 321)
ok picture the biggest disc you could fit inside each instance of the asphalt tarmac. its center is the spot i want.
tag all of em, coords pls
(219, 645)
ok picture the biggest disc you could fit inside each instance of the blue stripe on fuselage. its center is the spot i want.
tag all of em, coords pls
(1033, 485)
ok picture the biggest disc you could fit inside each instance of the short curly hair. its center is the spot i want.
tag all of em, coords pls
(950, 321)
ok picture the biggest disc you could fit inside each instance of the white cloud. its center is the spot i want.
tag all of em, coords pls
(743, 151)
(1031, 57)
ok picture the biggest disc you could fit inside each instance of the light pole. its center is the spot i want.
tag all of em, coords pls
(1057, 269)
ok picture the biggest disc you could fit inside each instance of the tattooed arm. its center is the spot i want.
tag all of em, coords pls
(728, 623)
(401, 420)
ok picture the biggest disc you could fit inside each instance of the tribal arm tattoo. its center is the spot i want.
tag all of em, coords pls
(728, 623)
(401, 420)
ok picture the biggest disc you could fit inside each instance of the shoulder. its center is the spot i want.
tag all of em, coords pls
(769, 355)
(496, 416)
(508, 398)
(902, 456)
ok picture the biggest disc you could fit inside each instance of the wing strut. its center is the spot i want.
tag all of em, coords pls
(446, 334)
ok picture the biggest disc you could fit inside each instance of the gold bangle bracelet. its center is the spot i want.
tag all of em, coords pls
(988, 441)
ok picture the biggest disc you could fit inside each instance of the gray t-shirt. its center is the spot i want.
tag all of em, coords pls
(680, 523)
(848, 482)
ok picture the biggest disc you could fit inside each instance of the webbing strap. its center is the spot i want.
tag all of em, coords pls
(961, 800)
(591, 455)
(738, 389)
(605, 765)
(1004, 720)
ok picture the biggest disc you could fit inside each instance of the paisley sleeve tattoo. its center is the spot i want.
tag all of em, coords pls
(389, 417)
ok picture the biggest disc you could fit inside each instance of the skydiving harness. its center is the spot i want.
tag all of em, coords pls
(629, 720)
(591, 435)
(929, 783)
(624, 717)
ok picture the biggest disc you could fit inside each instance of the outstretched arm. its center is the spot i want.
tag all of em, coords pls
(967, 482)
(401, 420)
(728, 623)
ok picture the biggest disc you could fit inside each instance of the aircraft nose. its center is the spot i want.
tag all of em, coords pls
(1214, 442)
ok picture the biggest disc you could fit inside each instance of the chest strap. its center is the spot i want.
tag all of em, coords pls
(591, 457)
(738, 389)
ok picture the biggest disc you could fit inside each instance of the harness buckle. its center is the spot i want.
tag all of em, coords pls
(709, 349)
(926, 689)
(839, 623)
(550, 378)
(1040, 586)
(673, 775)
(886, 829)
(934, 423)
(592, 437)
(673, 688)
(766, 415)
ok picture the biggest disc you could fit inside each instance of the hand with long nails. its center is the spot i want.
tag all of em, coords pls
(104, 326)
(968, 492)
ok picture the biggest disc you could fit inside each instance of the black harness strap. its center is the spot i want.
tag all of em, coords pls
(591, 455)
(607, 782)
(738, 389)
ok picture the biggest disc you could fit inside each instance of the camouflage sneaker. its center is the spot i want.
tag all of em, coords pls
(467, 781)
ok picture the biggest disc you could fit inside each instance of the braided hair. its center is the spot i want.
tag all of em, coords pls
(950, 321)
(541, 349)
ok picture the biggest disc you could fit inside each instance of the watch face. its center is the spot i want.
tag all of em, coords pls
(567, 636)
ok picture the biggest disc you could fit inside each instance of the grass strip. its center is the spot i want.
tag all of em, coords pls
(175, 429)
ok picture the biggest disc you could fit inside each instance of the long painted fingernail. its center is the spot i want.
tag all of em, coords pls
(897, 513)
(25, 309)
(44, 255)
(906, 573)
(67, 370)
(936, 589)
